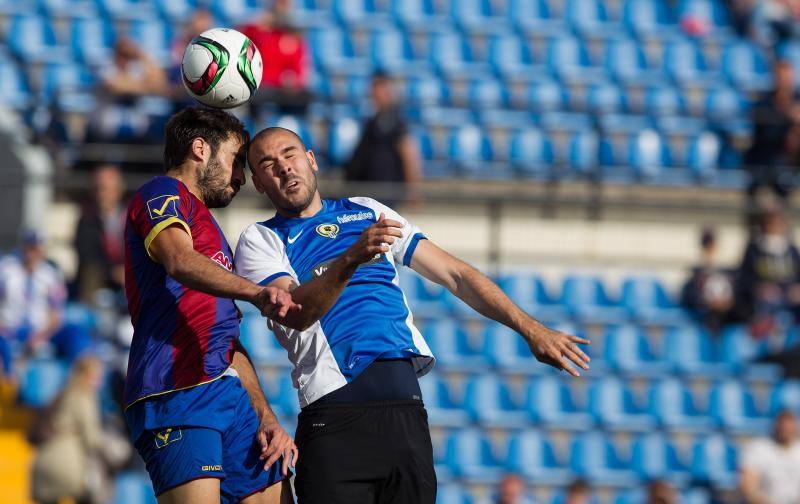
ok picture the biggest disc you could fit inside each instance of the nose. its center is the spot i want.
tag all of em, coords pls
(284, 167)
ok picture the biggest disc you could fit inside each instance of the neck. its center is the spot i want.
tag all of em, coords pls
(309, 211)
(188, 176)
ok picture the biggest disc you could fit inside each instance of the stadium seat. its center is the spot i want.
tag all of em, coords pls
(426, 90)
(673, 405)
(663, 100)
(358, 13)
(91, 40)
(41, 381)
(532, 17)
(588, 17)
(683, 62)
(235, 12)
(613, 406)
(260, 342)
(62, 8)
(734, 408)
(531, 154)
(692, 350)
(477, 16)
(648, 302)
(581, 156)
(586, 299)
(745, 66)
(154, 38)
(450, 344)
(417, 13)
(469, 455)
(33, 39)
(625, 61)
(391, 51)
(531, 455)
(128, 10)
(510, 56)
(550, 402)
(741, 350)
(605, 98)
(333, 51)
(545, 95)
(442, 410)
(711, 11)
(176, 11)
(786, 395)
(343, 136)
(427, 299)
(646, 16)
(471, 152)
(724, 104)
(453, 493)
(69, 86)
(714, 461)
(451, 55)
(509, 352)
(133, 488)
(627, 350)
(14, 90)
(593, 457)
(655, 457)
(489, 401)
(567, 58)
(704, 155)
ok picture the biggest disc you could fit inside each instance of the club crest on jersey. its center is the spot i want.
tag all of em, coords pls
(163, 206)
(166, 437)
(328, 230)
(223, 260)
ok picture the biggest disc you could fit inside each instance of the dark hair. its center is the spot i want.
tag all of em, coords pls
(578, 486)
(212, 125)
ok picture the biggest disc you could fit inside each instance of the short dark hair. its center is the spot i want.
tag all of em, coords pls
(578, 486)
(212, 125)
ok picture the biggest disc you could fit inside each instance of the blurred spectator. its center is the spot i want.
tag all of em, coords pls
(511, 491)
(32, 297)
(99, 238)
(386, 152)
(709, 292)
(285, 57)
(577, 493)
(770, 467)
(661, 492)
(131, 75)
(768, 280)
(776, 139)
(201, 20)
(74, 448)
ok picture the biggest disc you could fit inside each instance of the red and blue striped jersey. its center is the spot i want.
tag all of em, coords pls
(182, 337)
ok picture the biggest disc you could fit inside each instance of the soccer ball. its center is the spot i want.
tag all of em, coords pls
(221, 68)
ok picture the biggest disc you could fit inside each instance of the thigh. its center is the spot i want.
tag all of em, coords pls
(280, 493)
(339, 457)
(413, 478)
(244, 469)
(174, 457)
(200, 491)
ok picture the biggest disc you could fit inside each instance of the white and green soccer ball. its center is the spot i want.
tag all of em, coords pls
(221, 68)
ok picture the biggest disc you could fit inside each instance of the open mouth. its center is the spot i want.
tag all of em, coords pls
(294, 184)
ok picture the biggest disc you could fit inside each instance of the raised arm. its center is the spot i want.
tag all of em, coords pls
(484, 296)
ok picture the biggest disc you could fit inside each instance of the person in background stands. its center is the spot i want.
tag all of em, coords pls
(709, 292)
(769, 471)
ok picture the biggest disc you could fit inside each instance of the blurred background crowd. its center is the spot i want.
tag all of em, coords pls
(625, 169)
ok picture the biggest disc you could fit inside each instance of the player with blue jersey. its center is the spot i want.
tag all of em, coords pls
(363, 430)
(194, 408)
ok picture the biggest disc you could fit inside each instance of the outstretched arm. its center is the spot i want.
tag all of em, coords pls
(484, 296)
(273, 438)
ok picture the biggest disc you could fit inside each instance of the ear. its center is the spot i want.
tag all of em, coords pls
(257, 182)
(312, 160)
(201, 150)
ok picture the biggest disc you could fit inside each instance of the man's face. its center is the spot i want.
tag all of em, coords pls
(33, 254)
(785, 428)
(223, 174)
(108, 187)
(284, 171)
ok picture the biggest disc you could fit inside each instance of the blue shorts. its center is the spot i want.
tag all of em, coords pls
(208, 431)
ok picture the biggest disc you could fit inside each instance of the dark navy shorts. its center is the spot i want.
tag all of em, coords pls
(208, 431)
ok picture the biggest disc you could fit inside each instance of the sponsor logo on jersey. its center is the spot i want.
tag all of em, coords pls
(163, 206)
(211, 467)
(328, 230)
(167, 436)
(344, 219)
(292, 239)
(223, 260)
(321, 268)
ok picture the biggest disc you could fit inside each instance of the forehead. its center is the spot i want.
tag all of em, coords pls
(275, 142)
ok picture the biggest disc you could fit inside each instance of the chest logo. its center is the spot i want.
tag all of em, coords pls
(294, 238)
(328, 230)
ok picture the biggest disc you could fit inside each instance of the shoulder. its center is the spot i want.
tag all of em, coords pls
(260, 234)
(362, 201)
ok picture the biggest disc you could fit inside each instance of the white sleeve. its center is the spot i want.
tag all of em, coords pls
(403, 248)
(261, 256)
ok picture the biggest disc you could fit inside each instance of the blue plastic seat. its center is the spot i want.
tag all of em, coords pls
(714, 461)
(712, 11)
(786, 395)
(509, 352)
(426, 90)
(533, 17)
(663, 100)
(359, 13)
(129, 10)
(531, 154)
(343, 136)
(613, 405)
(704, 155)
(442, 410)
(531, 455)
(645, 16)
(593, 457)
(745, 66)
(417, 13)
(296, 124)
(469, 148)
(391, 51)
(133, 488)
(453, 493)
(605, 98)
(509, 55)
(628, 350)
(14, 90)
(741, 350)
(655, 457)
(154, 38)
(486, 93)
(734, 408)
(683, 61)
(450, 344)
(672, 404)
(41, 381)
(61, 8)
(586, 298)
(469, 455)
(581, 156)
(260, 342)
(545, 95)
(333, 51)
(724, 104)
(692, 350)
(451, 55)
(427, 299)
(550, 402)
(477, 16)
(648, 302)
(91, 40)
(176, 10)
(567, 57)
(589, 17)
(489, 401)
(626, 62)
(33, 39)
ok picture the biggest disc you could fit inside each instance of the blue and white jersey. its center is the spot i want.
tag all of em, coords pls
(371, 318)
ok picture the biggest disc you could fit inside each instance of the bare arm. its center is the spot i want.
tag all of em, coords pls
(749, 485)
(412, 169)
(273, 438)
(318, 295)
(172, 247)
(485, 297)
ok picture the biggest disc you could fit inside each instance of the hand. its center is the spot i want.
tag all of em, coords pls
(376, 239)
(276, 442)
(558, 350)
(273, 302)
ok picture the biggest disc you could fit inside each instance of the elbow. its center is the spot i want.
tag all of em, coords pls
(175, 267)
